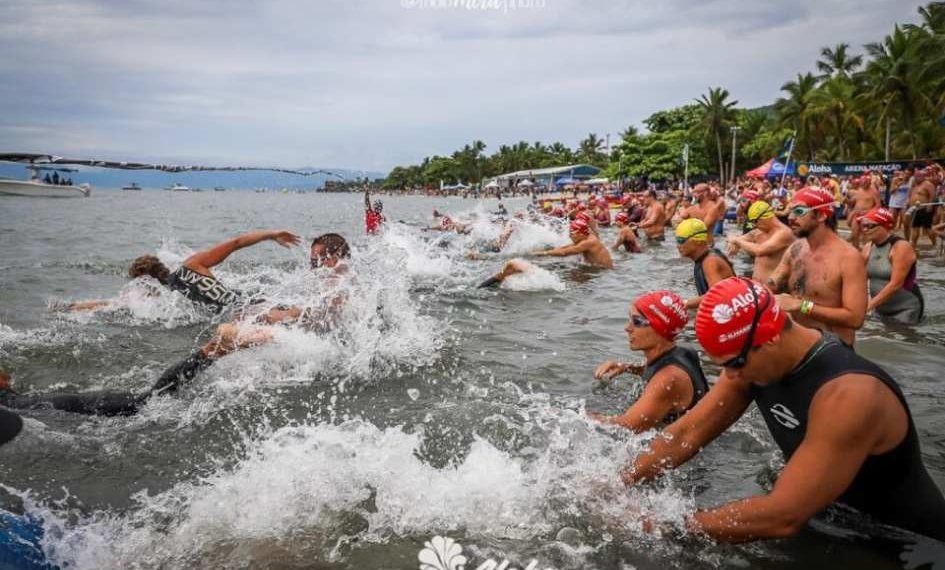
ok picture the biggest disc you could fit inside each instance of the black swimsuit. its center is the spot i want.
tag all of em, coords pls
(702, 284)
(893, 487)
(202, 288)
(688, 360)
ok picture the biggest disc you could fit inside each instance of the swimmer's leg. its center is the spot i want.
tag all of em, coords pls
(97, 403)
(228, 338)
(510, 268)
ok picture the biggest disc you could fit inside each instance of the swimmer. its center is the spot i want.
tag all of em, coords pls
(709, 264)
(583, 243)
(766, 240)
(841, 422)
(510, 268)
(373, 215)
(626, 235)
(194, 278)
(328, 251)
(822, 277)
(672, 374)
(890, 268)
(654, 223)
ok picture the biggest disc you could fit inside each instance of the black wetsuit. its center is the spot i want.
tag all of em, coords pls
(688, 360)
(702, 284)
(105, 402)
(201, 288)
(894, 487)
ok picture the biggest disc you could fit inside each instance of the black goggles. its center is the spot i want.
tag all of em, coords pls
(742, 359)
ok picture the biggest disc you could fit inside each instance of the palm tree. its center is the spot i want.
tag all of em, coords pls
(894, 77)
(835, 101)
(837, 62)
(589, 150)
(717, 114)
(795, 111)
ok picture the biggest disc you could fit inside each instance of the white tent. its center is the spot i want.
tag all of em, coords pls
(492, 184)
(596, 181)
(525, 184)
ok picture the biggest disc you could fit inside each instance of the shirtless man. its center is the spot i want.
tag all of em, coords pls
(602, 213)
(626, 235)
(821, 277)
(673, 377)
(861, 198)
(766, 242)
(654, 224)
(584, 243)
(705, 208)
(709, 264)
(923, 190)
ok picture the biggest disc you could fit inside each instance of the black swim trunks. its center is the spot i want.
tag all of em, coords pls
(922, 218)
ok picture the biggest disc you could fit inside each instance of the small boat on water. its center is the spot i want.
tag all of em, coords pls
(196, 189)
(133, 187)
(49, 186)
(219, 189)
(177, 187)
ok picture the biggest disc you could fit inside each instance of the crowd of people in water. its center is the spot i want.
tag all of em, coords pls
(782, 336)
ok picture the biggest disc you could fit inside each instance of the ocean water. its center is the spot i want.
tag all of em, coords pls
(433, 409)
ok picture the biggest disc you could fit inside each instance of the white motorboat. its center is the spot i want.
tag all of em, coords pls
(177, 187)
(46, 187)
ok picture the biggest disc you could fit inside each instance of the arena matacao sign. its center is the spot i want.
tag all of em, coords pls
(847, 168)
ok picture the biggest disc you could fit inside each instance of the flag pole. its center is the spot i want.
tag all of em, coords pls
(787, 163)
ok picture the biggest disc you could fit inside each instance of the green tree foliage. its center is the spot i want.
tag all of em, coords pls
(842, 113)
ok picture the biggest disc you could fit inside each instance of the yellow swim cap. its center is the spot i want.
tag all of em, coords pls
(692, 228)
(760, 210)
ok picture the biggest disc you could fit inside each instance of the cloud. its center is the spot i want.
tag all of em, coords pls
(374, 84)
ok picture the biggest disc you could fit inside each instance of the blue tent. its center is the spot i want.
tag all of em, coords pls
(567, 180)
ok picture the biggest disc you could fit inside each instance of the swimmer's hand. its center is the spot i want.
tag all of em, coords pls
(285, 238)
(611, 369)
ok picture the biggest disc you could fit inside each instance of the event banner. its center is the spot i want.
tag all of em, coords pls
(848, 168)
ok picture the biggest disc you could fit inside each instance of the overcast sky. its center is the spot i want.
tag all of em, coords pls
(376, 83)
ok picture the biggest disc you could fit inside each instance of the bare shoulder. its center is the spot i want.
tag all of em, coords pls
(858, 400)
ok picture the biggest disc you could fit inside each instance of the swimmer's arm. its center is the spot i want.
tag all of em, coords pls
(720, 408)
(89, 305)
(865, 251)
(842, 432)
(274, 316)
(854, 297)
(203, 261)
(779, 279)
(367, 199)
(776, 243)
(902, 258)
(566, 250)
(655, 403)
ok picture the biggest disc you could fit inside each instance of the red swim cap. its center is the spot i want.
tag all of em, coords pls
(622, 218)
(579, 226)
(813, 197)
(583, 216)
(581, 206)
(751, 196)
(665, 310)
(726, 312)
(445, 221)
(880, 216)
(601, 202)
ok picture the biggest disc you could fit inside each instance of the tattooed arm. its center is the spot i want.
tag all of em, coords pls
(778, 281)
